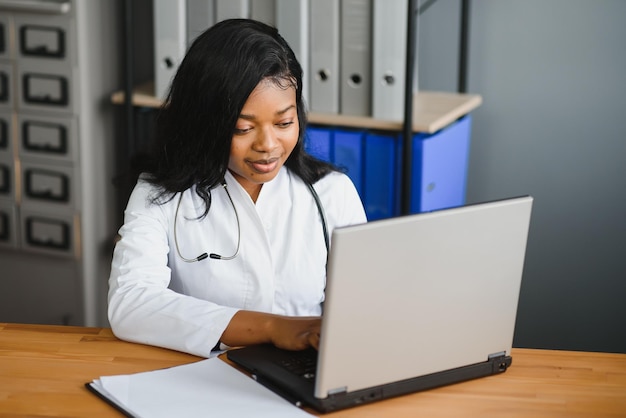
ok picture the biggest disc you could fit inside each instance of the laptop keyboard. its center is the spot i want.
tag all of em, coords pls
(302, 363)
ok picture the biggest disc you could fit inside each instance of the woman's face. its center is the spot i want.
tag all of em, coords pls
(265, 134)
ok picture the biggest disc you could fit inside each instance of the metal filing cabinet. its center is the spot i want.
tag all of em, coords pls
(58, 65)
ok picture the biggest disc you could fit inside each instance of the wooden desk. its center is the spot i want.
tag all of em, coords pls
(43, 370)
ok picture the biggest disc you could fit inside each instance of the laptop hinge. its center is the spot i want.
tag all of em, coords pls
(338, 391)
(496, 355)
(499, 361)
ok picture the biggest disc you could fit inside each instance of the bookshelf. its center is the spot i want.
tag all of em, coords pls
(427, 115)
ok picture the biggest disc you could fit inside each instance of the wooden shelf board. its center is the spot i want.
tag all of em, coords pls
(432, 111)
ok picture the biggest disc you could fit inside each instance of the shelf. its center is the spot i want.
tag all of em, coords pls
(432, 111)
(143, 96)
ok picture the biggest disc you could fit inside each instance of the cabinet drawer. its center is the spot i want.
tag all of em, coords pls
(52, 233)
(7, 185)
(5, 45)
(45, 89)
(42, 41)
(47, 138)
(43, 37)
(6, 85)
(8, 225)
(6, 129)
(48, 184)
(44, 86)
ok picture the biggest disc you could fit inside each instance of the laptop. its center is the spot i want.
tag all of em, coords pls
(412, 303)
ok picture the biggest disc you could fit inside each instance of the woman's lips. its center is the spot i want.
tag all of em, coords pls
(264, 166)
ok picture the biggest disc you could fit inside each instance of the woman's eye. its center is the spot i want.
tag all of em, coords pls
(284, 124)
(241, 131)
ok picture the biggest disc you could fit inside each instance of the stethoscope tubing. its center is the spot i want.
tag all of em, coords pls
(215, 256)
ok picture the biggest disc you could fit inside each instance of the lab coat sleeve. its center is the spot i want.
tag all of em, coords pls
(354, 212)
(141, 307)
(341, 201)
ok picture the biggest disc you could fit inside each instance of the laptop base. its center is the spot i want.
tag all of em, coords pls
(301, 391)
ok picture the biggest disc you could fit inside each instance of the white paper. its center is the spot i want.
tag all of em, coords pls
(206, 388)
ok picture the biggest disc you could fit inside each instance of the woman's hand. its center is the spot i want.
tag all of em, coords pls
(287, 332)
(296, 333)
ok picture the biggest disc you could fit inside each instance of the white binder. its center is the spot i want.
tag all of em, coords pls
(170, 42)
(324, 65)
(292, 21)
(229, 9)
(356, 56)
(200, 16)
(263, 11)
(389, 58)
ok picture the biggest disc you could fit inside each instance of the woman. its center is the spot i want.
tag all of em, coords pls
(230, 176)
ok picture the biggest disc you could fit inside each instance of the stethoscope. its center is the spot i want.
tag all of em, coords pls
(215, 256)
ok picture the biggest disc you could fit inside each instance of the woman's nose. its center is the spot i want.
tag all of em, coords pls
(266, 139)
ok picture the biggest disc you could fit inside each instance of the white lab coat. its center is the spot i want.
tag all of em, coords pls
(157, 298)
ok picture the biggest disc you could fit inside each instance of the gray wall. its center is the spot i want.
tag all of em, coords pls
(552, 74)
